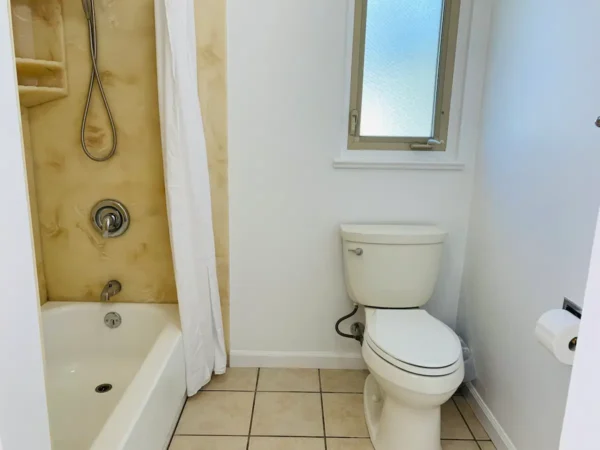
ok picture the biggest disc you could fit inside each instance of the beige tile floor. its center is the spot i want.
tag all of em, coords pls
(299, 409)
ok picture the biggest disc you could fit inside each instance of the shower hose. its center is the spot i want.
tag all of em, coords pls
(90, 13)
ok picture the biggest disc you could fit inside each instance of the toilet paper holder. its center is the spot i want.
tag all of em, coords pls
(574, 309)
(571, 307)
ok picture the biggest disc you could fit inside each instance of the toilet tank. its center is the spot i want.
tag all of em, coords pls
(391, 266)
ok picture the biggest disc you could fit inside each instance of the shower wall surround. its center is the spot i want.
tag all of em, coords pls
(77, 261)
(212, 87)
(35, 219)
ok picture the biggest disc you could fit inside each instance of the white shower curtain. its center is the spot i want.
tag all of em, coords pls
(188, 193)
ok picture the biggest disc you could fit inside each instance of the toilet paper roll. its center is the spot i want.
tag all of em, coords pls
(557, 330)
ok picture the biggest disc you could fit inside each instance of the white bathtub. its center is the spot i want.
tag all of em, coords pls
(143, 361)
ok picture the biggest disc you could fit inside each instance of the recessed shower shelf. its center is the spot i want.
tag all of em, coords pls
(40, 81)
(38, 66)
(38, 36)
(36, 95)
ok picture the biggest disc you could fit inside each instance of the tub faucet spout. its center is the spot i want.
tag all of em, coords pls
(112, 288)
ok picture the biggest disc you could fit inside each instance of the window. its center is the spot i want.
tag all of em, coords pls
(402, 66)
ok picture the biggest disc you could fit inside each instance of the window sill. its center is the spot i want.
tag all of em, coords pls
(381, 164)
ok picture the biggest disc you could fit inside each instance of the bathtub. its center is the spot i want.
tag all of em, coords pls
(141, 360)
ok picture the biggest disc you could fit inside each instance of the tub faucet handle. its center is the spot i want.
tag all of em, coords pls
(108, 223)
(110, 218)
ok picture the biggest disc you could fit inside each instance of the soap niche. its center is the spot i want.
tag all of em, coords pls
(39, 42)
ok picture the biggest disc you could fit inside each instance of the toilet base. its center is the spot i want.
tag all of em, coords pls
(395, 426)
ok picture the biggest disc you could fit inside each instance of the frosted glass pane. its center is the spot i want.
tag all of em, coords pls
(400, 71)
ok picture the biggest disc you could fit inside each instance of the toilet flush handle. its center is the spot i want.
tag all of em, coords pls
(356, 251)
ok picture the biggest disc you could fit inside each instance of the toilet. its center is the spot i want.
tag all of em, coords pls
(415, 361)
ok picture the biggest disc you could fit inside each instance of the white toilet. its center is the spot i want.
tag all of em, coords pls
(414, 359)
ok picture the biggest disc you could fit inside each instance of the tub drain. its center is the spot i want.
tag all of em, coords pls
(102, 388)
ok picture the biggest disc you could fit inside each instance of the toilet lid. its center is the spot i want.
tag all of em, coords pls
(413, 337)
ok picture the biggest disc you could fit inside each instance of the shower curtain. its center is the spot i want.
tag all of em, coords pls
(188, 193)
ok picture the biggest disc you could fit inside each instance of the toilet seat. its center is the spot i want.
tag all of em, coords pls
(413, 341)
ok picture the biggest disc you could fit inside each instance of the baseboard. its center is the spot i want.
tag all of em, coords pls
(303, 360)
(488, 420)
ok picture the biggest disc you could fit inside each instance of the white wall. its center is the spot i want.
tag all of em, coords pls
(287, 88)
(23, 411)
(537, 192)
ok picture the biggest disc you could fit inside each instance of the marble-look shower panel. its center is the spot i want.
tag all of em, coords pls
(77, 260)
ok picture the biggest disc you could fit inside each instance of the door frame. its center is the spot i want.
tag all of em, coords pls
(582, 414)
(24, 420)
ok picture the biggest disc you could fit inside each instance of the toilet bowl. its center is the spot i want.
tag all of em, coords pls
(415, 367)
(415, 361)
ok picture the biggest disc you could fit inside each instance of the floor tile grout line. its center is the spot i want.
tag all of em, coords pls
(467, 422)
(275, 392)
(295, 436)
(253, 405)
(343, 393)
(282, 392)
(177, 423)
(464, 420)
(322, 409)
(353, 438)
(214, 435)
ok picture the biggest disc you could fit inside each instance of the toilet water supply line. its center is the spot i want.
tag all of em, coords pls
(357, 329)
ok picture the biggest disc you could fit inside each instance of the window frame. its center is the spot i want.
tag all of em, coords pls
(445, 76)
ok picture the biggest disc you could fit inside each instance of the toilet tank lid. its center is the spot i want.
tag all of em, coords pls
(393, 234)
